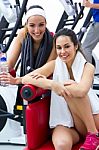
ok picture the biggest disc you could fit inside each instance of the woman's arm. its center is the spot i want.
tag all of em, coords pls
(16, 49)
(81, 89)
(45, 83)
(46, 70)
(13, 57)
(38, 78)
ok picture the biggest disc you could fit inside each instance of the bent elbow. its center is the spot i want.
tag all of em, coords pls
(82, 90)
(82, 93)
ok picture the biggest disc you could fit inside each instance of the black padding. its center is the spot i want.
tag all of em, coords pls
(3, 107)
(3, 24)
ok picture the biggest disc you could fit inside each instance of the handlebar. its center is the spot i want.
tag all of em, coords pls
(30, 92)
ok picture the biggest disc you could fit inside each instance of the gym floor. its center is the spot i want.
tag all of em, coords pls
(11, 147)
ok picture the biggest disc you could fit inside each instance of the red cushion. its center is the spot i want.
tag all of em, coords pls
(49, 146)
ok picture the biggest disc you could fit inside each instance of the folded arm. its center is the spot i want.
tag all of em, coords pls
(81, 89)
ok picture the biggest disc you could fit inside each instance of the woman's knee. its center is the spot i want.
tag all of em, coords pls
(62, 144)
(63, 138)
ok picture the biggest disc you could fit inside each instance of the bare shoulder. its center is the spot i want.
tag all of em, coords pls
(21, 34)
(91, 66)
(22, 31)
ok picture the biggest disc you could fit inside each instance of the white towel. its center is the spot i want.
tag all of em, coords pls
(59, 110)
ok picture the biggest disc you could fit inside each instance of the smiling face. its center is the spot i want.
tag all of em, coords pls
(66, 49)
(36, 27)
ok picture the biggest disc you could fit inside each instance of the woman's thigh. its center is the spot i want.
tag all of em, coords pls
(96, 118)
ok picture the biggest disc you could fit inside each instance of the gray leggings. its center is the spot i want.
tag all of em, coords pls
(91, 40)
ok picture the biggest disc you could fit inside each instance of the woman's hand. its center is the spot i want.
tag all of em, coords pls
(7, 78)
(86, 3)
(69, 82)
(61, 90)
